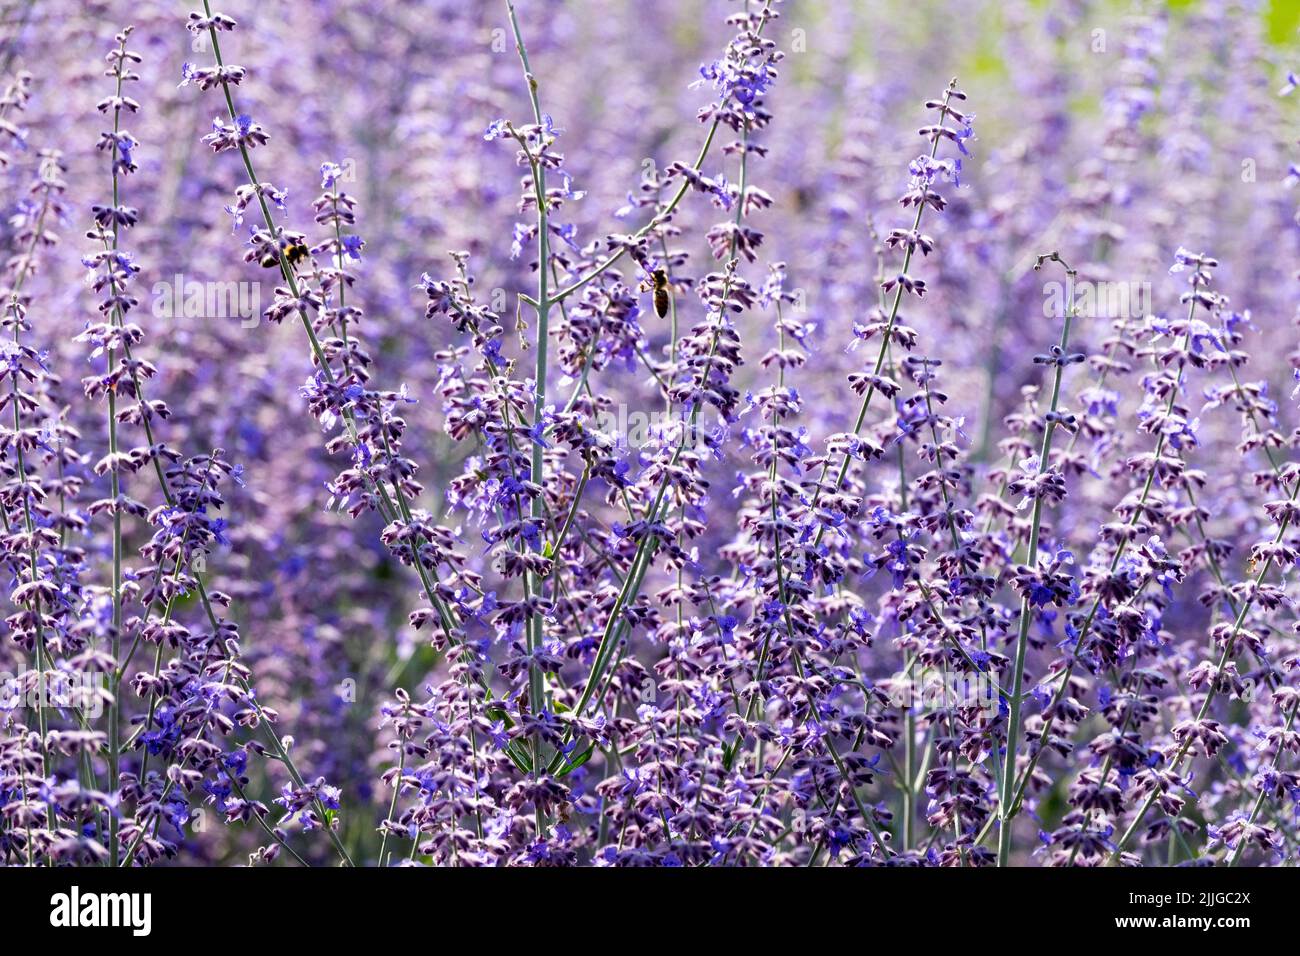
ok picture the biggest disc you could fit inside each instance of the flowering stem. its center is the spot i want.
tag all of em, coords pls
(1211, 691)
(601, 267)
(115, 708)
(1263, 793)
(1022, 782)
(1022, 636)
(392, 805)
(542, 305)
(648, 544)
(385, 504)
(24, 269)
(885, 338)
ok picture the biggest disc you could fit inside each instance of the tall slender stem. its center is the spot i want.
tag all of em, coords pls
(115, 483)
(1026, 609)
(536, 621)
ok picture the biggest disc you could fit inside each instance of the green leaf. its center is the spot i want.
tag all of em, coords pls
(577, 762)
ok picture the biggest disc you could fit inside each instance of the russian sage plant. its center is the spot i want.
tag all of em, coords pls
(501, 442)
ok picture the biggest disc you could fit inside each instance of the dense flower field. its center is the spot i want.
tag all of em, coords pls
(658, 433)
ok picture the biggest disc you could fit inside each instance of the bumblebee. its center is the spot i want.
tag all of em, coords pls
(293, 251)
(658, 281)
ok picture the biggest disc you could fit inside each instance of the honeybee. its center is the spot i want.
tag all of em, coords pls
(293, 250)
(658, 281)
